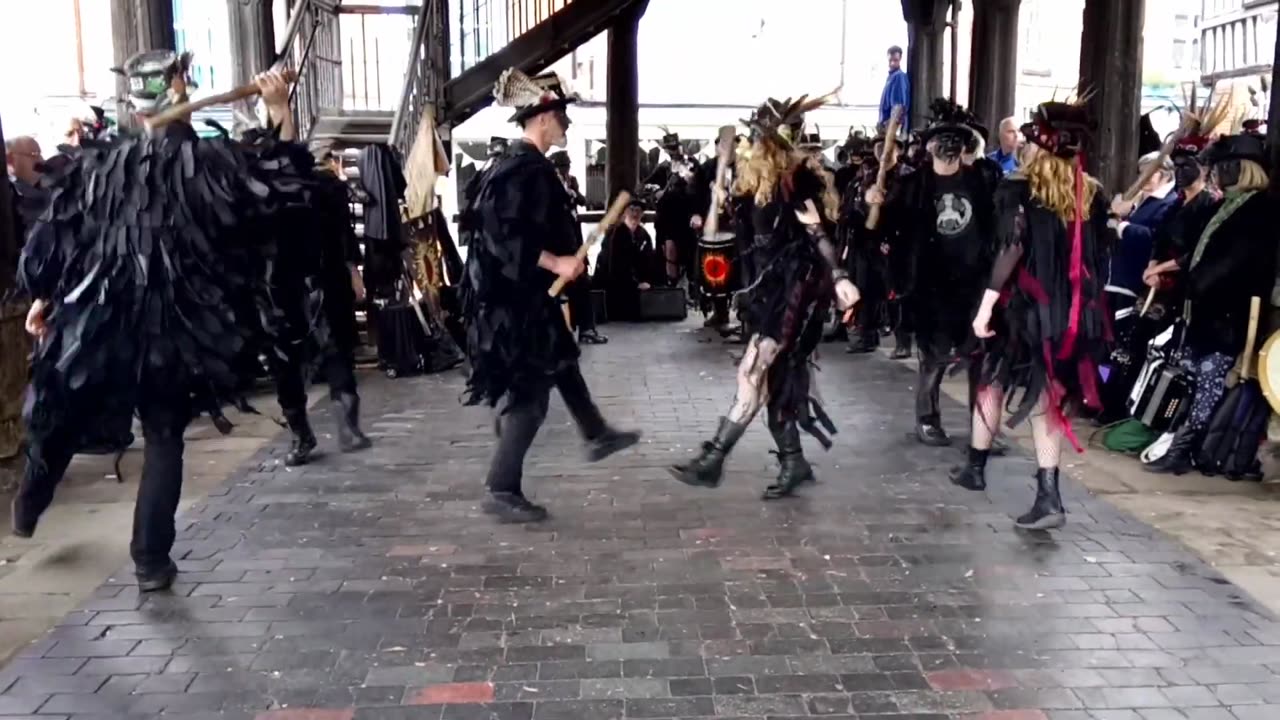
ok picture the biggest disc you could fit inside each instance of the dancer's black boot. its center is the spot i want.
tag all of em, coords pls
(304, 440)
(795, 469)
(707, 468)
(347, 409)
(1047, 512)
(1177, 459)
(973, 474)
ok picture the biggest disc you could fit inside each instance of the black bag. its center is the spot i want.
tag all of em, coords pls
(1231, 442)
(663, 304)
(406, 348)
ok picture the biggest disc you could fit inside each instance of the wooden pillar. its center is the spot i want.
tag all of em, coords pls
(1273, 116)
(926, 23)
(9, 241)
(138, 25)
(253, 38)
(622, 104)
(993, 65)
(1111, 69)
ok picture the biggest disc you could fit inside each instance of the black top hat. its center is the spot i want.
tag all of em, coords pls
(1061, 128)
(782, 120)
(810, 140)
(1245, 146)
(671, 141)
(560, 159)
(949, 118)
(531, 96)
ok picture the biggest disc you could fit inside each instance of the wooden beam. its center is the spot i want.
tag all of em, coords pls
(531, 52)
(622, 115)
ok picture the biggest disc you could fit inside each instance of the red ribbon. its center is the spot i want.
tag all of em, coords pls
(1077, 271)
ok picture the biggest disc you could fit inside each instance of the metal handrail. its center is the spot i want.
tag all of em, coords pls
(412, 71)
(310, 47)
(426, 73)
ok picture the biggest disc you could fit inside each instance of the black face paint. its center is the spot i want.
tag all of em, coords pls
(947, 146)
(1186, 171)
(1227, 173)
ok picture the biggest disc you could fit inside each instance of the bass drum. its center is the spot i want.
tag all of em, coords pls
(1269, 370)
(718, 266)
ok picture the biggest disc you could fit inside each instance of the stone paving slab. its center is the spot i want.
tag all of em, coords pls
(370, 586)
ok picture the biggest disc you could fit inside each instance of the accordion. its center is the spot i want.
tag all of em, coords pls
(1163, 389)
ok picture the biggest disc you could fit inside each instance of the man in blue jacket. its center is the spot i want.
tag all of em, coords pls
(897, 91)
(1136, 224)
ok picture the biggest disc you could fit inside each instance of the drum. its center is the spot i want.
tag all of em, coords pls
(718, 265)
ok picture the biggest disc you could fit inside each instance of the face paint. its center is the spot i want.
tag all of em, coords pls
(1186, 171)
(947, 146)
(1227, 173)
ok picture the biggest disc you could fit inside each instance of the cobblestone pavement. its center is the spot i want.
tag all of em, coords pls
(370, 586)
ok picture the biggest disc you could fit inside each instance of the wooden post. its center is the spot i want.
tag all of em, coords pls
(138, 25)
(1111, 69)
(993, 66)
(926, 21)
(622, 105)
(1273, 115)
(252, 38)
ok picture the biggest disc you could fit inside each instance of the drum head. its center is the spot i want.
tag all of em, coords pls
(1269, 370)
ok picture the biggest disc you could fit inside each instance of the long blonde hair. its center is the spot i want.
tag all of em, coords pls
(1053, 185)
(760, 169)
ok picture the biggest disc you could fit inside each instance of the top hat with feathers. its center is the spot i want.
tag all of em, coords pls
(1062, 128)
(810, 140)
(949, 118)
(1201, 128)
(531, 96)
(670, 140)
(1244, 146)
(783, 120)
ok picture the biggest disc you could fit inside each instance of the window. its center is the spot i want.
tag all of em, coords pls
(1181, 23)
(1180, 54)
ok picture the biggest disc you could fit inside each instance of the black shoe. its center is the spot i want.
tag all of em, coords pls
(999, 447)
(513, 508)
(863, 344)
(154, 580)
(1046, 512)
(346, 408)
(796, 471)
(973, 474)
(1177, 459)
(610, 442)
(902, 352)
(591, 337)
(304, 440)
(932, 434)
(707, 469)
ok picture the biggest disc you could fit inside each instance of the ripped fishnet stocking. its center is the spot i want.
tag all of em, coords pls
(1046, 434)
(752, 370)
(673, 259)
(987, 409)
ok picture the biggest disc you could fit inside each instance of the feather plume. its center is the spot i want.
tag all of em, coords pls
(515, 89)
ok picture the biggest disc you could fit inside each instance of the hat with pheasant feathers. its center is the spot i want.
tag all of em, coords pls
(531, 96)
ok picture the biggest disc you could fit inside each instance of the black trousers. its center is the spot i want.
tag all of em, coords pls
(337, 368)
(522, 414)
(581, 314)
(937, 345)
(164, 420)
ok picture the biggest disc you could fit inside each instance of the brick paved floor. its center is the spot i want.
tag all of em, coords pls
(369, 586)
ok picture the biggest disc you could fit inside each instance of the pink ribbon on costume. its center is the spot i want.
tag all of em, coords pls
(1077, 272)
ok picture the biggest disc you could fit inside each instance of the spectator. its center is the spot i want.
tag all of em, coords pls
(1136, 223)
(897, 91)
(25, 162)
(1006, 155)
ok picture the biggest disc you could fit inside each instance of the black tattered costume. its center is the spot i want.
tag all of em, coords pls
(518, 341)
(786, 304)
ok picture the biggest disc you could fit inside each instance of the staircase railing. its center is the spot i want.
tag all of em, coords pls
(482, 27)
(426, 73)
(311, 47)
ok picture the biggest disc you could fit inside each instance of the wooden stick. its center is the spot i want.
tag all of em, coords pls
(184, 110)
(1146, 305)
(890, 147)
(610, 218)
(1165, 151)
(711, 224)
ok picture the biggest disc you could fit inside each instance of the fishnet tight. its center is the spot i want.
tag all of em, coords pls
(1045, 434)
(752, 393)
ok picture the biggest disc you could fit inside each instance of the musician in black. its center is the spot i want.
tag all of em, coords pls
(864, 253)
(519, 344)
(940, 220)
(679, 219)
(581, 314)
(627, 265)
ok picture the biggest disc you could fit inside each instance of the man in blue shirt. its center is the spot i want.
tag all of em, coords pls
(897, 91)
(1006, 155)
